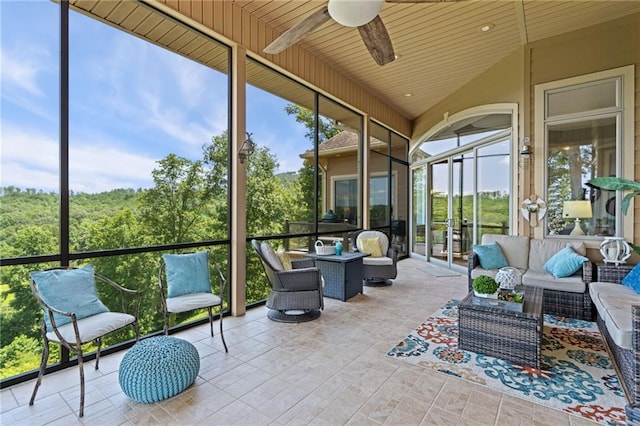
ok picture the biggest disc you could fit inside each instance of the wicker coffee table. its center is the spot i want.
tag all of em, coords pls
(509, 335)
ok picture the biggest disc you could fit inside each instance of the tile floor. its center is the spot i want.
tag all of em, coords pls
(330, 371)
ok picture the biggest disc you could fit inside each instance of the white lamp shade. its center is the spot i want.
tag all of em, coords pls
(353, 13)
(577, 209)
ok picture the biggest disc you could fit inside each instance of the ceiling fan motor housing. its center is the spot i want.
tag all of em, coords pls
(354, 13)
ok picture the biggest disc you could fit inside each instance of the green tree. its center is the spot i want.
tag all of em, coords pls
(326, 130)
(172, 208)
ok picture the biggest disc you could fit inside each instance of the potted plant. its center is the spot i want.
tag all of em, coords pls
(612, 183)
(485, 286)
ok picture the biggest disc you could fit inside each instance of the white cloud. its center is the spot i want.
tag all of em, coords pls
(30, 160)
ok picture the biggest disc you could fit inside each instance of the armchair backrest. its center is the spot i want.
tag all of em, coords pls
(542, 250)
(69, 290)
(270, 262)
(382, 237)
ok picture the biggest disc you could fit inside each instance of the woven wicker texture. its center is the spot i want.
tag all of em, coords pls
(158, 368)
(514, 336)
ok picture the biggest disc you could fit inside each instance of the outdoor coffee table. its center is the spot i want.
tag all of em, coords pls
(501, 333)
(342, 274)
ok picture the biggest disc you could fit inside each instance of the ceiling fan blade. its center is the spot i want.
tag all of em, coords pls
(376, 38)
(298, 31)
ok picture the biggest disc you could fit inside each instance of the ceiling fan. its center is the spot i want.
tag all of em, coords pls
(362, 14)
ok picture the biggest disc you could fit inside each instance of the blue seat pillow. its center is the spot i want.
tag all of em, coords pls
(187, 273)
(564, 263)
(490, 255)
(632, 279)
(69, 290)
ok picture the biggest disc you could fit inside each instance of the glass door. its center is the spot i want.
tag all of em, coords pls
(451, 209)
(469, 195)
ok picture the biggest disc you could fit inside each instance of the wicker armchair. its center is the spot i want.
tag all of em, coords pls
(296, 294)
(377, 270)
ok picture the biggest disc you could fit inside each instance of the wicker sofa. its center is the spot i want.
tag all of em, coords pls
(567, 297)
(618, 311)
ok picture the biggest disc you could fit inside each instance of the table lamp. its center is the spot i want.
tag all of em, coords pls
(577, 209)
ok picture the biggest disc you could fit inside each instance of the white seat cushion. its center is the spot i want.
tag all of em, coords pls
(92, 327)
(614, 302)
(189, 302)
(377, 261)
(477, 271)
(609, 289)
(544, 279)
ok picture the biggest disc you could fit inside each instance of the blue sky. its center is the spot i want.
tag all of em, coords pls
(131, 104)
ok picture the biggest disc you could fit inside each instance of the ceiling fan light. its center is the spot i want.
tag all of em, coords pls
(354, 13)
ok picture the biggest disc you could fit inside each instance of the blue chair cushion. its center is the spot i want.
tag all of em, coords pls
(158, 368)
(564, 263)
(490, 255)
(187, 273)
(632, 279)
(69, 290)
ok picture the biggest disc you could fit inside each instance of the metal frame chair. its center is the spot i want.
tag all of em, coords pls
(192, 301)
(74, 334)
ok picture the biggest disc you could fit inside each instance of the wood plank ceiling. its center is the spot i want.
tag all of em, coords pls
(440, 45)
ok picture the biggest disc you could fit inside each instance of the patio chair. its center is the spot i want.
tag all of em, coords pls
(379, 268)
(185, 285)
(296, 294)
(74, 314)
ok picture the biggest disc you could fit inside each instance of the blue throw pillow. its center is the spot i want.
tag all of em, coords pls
(632, 279)
(187, 273)
(69, 290)
(565, 263)
(490, 255)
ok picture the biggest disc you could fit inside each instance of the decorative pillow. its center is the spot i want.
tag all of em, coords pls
(187, 273)
(284, 258)
(490, 255)
(371, 246)
(565, 263)
(69, 290)
(632, 279)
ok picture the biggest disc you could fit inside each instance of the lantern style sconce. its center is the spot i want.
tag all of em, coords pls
(246, 149)
(526, 153)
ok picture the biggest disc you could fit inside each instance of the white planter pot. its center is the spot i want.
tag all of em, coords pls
(486, 296)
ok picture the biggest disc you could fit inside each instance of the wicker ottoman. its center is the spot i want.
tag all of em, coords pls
(158, 368)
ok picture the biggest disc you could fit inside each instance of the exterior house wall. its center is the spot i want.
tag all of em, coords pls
(513, 79)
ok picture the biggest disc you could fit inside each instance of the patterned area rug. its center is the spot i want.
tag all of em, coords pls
(577, 376)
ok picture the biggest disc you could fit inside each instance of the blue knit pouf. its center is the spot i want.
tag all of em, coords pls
(158, 368)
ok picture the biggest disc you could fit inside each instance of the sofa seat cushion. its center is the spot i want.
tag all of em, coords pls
(614, 302)
(541, 250)
(377, 261)
(489, 272)
(544, 279)
(609, 289)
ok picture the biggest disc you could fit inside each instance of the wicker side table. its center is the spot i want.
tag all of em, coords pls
(609, 273)
(509, 335)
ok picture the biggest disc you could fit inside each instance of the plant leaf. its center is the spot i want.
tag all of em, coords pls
(627, 200)
(615, 183)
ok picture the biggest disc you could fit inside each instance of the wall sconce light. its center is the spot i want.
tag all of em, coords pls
(526, 153)
(246, 149)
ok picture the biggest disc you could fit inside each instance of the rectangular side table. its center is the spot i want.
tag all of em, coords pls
(610, 273)
(342, 274)
(513, 336)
